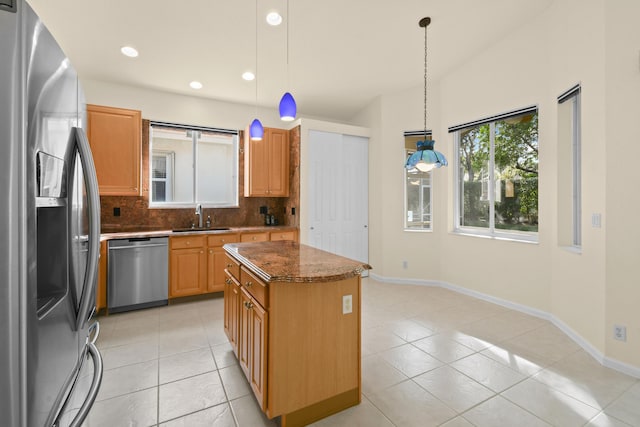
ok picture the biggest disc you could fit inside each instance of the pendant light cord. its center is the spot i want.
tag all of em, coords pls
(425, 82)
(256, 34)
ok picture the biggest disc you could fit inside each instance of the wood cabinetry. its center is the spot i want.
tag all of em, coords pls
(101, 287)
(294, 336)
(231, 306)
(188, 266)
(115, 138)
(283, 235)
(246, 325)
(266, 164)
(216, 260)
(261, 236)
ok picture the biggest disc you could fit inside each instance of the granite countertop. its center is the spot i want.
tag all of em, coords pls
(287, 261)
(212, 230)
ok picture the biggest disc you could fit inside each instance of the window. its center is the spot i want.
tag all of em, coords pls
(417, 188)
(497, 175)
(190, 165)
(569, 169)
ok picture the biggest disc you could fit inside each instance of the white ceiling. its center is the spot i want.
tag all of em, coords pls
(342, 53)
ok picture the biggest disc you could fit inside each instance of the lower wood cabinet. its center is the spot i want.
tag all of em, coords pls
(188, 266)
(231, 307)
(246, 326)
(216, 260)
(198, 262)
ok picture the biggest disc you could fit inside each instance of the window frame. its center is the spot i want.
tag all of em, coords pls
(491, 231)
(195, 131)
(408, 151)
(573, 95)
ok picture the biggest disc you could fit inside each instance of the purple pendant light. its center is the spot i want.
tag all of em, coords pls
(256, 131)
(287, 105)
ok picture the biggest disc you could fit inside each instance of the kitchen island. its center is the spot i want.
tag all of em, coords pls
(292, 316)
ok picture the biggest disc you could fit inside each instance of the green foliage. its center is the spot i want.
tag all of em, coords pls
(515, 160)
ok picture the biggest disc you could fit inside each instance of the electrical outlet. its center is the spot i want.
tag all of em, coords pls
(405, 264)
(620, 332)
(116, 211)
(347, 304)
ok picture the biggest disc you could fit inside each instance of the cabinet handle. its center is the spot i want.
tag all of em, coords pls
(188, 242)
(227, 281)
(210, 251)
(248, 284)
(201, 252)
(229, 265)
(248, 305)
(222, 240)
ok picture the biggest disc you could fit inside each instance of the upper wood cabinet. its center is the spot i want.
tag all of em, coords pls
(266, 164)
(115, 138)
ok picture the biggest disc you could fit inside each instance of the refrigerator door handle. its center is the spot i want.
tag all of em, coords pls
(93, 390)
(93, 202)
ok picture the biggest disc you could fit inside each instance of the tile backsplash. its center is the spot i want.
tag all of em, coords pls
(134, 212)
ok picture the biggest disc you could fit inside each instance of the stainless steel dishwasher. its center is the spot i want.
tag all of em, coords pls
(138, 273)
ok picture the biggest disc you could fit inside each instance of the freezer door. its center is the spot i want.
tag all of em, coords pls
(51, 337)
(12, 275)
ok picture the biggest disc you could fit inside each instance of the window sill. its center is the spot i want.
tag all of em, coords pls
(421, 230)
(502, 237)
(572, 249)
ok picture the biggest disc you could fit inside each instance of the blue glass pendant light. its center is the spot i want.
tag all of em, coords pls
(256, 131)
(287, 107)
(425, 157)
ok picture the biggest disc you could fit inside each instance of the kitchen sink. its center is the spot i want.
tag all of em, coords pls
(196, 229)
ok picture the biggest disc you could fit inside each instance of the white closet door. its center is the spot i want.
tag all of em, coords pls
(338, 194)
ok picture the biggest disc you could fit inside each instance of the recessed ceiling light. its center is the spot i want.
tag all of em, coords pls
(129, 51)
(195, 85)
(248, 75)
(274, 18)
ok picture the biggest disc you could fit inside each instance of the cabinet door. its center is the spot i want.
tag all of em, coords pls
(267, 164)
(258, 352)
(244, 343)
(278, 162)
(256, 167)
(231, 314)
(188, 272)
(115, 138)
(215, 270)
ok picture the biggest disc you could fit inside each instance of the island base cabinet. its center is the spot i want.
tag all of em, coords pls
(314, 350)
(231, 315)
(297, 343)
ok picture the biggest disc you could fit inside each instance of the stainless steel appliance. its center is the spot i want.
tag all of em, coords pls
(138, 273)
(49, 228)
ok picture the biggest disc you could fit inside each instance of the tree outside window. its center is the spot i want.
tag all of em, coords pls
(498, 175)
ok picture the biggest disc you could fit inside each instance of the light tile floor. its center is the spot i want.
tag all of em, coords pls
(430, 357)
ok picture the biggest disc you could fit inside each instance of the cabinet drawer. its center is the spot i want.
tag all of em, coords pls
(232, 266)
(283, 235)
(256, 287)
(222, 239)
(254, 237)
(187, 242)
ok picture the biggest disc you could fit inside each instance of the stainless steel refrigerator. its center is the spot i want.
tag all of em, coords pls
(49, 231)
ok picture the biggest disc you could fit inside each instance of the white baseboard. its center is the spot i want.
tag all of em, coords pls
(609, 362)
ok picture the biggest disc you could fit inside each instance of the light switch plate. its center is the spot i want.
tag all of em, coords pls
(347, 304)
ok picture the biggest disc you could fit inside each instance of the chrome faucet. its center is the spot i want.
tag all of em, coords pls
(199, 214)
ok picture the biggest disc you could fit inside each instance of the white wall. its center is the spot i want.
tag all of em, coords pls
(584, 292)
(622, 143)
